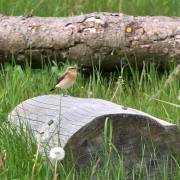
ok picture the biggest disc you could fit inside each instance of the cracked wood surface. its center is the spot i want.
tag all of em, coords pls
(79, 124)
(105, 38)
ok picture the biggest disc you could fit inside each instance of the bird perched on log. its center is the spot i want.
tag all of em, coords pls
(67, 79)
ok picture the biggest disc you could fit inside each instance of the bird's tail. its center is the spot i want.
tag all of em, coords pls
(52, 89)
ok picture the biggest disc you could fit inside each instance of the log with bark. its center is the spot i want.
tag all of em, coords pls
(78, 124)
(109, 39)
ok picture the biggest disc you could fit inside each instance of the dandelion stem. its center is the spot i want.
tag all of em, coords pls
(55, 171)
(35, 162)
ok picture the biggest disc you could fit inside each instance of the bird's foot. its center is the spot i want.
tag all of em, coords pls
(64, 95)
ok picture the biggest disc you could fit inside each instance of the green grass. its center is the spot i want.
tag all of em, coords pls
(68, 7)
(135, 87)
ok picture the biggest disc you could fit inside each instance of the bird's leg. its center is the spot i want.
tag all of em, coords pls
(64, 92)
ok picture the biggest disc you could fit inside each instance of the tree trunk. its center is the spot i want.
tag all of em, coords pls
(98, 38)
(79, 124)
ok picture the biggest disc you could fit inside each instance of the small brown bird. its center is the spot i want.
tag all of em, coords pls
(67, 79)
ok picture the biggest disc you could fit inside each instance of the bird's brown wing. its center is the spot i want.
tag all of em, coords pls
(59, 80)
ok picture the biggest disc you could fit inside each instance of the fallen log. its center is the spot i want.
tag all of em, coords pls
(108, 39)
(78, 124)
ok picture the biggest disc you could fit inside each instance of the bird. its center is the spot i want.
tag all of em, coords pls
(67, 79)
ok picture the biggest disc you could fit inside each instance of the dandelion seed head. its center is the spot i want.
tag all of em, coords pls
(57, 153)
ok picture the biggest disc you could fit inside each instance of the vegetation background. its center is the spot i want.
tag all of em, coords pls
(132, 87)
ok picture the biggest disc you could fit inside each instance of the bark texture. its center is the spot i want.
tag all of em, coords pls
(105, 38)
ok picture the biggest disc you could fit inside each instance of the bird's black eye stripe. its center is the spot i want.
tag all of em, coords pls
(72, 68)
